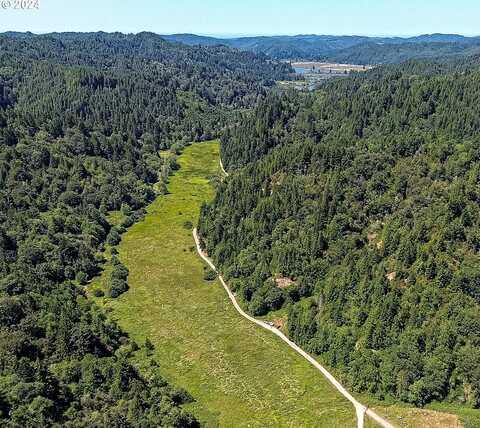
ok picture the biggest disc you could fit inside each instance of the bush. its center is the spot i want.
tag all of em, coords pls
(209, 275)
(180, 396)
(98, 293)
(177, 148)
(129, 221)
(188, 225)
(120, 272)
(118, 278)
(117, 288)
(162, 188)
(274, 298)
(113, 237)
(149, 346)
(126, 209)
(257, 306)
(132, 218)
(81, 278)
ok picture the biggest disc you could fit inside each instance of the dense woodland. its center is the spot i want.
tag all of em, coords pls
(131, 84)
(356, 210)
(82, 118)
(378, 53)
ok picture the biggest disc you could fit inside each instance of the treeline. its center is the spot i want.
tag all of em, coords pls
(82, 118)
(357, 208)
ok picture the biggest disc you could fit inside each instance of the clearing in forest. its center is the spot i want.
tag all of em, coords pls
(239, 374)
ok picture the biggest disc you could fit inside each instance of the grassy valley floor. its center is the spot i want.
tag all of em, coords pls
(239, 375)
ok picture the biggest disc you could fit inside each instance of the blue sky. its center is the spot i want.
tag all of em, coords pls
(250, 17)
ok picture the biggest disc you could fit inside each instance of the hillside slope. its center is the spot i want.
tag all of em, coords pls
(356, 209)
(347, 49)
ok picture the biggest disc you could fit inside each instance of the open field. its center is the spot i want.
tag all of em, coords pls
(240, 375)
(315, 73)
(403, 417)
(327, 67)
(435, 415)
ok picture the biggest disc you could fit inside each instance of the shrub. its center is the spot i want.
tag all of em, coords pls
(209, 275)
(129, 221)
(98, 293)
(118, 278)
(257, 306)
(113, 237)
(149, 346)
(162, 188)
(81, 278)
(117, 288)
(120, 272)
(126, 209)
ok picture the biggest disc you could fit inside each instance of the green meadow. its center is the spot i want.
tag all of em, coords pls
(238, 374)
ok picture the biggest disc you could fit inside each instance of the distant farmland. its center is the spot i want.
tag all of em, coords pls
(329, 67)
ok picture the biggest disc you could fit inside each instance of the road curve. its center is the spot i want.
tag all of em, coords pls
(360, 409)
(222, 168)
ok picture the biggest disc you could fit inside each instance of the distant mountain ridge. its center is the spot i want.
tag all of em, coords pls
(343, 48)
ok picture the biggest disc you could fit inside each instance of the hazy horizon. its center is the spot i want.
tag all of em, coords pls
(286, 34)
(372, 18)
(245, 35)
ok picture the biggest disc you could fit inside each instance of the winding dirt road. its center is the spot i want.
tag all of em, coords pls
(223, 169)
(360, 409)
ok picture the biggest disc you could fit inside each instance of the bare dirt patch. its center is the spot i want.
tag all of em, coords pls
(283, 282)
(391, 276)
(279, 323)
(420, 418)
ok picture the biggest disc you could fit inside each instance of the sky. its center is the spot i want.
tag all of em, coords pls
(247, 17)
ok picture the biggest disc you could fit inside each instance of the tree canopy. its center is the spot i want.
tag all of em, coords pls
(363, 199)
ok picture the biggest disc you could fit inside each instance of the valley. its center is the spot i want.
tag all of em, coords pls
(238, 374)
(186, 242)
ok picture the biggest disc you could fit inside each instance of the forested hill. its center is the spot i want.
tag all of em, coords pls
(132, 83)
(82, 117)
(380, 53)
(357, 208)
(117, 50)
(346, 49)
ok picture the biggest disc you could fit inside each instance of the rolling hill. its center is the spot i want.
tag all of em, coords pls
(360, 49)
